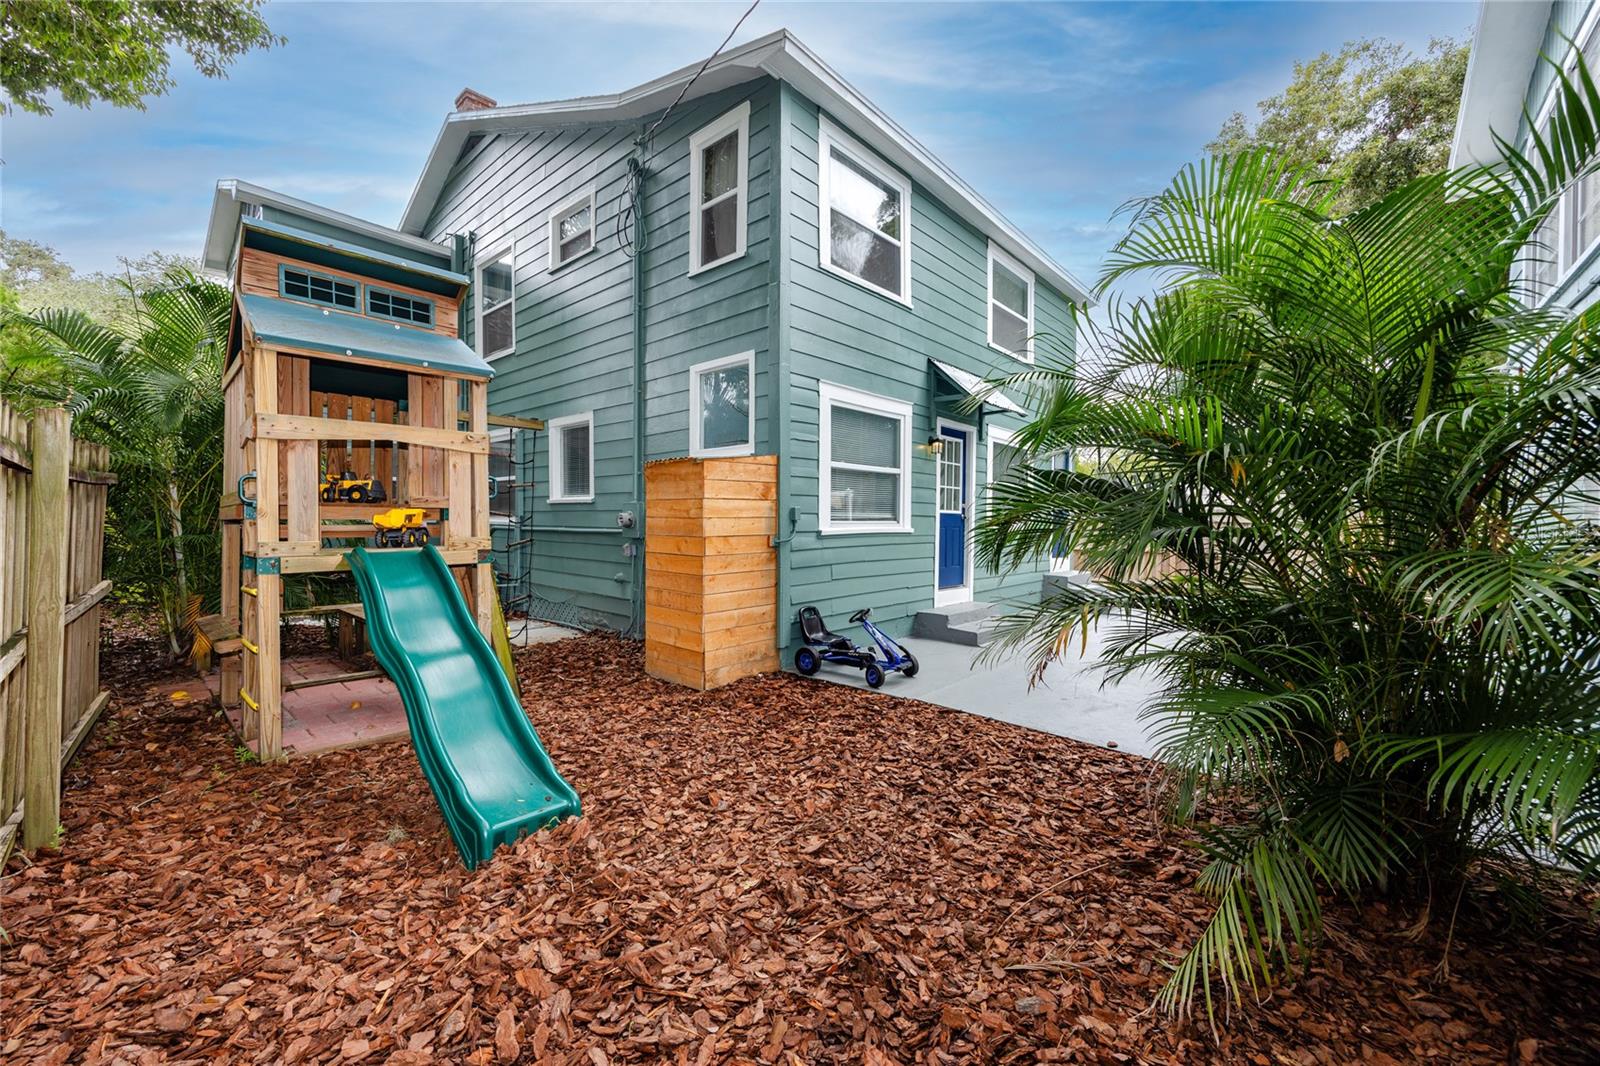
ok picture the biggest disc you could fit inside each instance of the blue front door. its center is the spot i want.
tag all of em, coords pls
(954, 496)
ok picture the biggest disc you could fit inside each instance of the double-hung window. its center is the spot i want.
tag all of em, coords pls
(572, 230)
(864, 462)
(719, 159)
(864, 215)
(495, 284)
(722, 414)
(1010, 305)
(572, 458)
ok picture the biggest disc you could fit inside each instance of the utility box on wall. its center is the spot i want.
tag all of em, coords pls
(710, 570)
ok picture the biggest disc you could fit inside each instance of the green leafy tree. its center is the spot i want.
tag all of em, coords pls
(150, 387)
(118, 51)
(1346, 521)
(1373, 117)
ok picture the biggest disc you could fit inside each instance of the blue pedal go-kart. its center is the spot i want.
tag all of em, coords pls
(824, 646)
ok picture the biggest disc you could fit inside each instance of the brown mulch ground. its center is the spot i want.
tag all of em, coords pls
(782, 871)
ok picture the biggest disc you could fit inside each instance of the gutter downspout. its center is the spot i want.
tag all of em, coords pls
(636, 176)
(778, 423)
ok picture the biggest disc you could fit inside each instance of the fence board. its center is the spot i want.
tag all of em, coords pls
(80, 531)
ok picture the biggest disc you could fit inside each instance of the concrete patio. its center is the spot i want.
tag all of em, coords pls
(1069, 702)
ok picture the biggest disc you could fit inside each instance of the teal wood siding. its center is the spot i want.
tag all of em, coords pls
(574, 326)
(840, 332)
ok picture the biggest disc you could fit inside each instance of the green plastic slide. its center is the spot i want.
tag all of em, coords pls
(492, 778)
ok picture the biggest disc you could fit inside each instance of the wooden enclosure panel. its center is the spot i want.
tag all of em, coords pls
(710, 569)
(258, 275)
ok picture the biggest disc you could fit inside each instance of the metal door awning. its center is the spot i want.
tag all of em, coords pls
(952, 384)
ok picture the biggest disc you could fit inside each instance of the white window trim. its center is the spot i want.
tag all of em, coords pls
(999, 255)
(496, 435)
(830, 137)
(503, 250)
(962, 593)
(696, 448)
(736, 120)
(565, 208)
(829, 396)
(554, 428)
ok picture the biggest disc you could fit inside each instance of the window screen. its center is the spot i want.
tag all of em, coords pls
(864, 455)
(318, 288)
(503, 474)
(1010, 308)
(574, 464)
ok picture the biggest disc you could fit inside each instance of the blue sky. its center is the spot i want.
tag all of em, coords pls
(1057, 113)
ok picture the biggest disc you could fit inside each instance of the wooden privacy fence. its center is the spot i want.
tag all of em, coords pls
(52, 524)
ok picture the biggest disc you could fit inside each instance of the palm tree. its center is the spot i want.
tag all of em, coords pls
(1361, 462)
(151, 388)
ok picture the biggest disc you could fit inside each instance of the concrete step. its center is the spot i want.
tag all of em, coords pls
(959, 623)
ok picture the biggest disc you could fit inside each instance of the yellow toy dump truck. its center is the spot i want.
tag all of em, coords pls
(346, 487)
(399, 527)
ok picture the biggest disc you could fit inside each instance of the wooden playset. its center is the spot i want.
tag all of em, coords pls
(348, 396)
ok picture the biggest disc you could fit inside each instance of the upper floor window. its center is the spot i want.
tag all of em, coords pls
(722, 418)
(572, 458)
(495, 286)
(864, 461)
(864, 211)
(572, 230)
(299, 284)
(718, 189)
(400, 307)
(1010, 305)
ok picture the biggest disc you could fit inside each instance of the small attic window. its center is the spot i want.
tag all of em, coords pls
(317, 288)
(401, 308)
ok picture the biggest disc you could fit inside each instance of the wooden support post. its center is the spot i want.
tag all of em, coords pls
(232, 674)
(270, 745)
(47, 595)
(483, 573)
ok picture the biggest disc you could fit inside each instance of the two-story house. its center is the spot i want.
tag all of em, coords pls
(742, 258)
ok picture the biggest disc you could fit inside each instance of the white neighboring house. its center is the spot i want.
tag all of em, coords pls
(1507, 80)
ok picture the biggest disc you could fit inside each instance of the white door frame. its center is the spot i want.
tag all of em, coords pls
(969, 463)
(1059, 564)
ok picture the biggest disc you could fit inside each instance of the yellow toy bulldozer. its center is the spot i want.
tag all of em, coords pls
(347, 488)
(399, 527)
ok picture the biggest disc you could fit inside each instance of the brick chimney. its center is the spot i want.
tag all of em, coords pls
(472, 100)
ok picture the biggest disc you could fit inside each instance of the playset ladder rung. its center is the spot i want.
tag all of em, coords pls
(249, 590)
(248, 702)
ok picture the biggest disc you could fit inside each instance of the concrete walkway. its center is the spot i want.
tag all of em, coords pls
(1069, 702)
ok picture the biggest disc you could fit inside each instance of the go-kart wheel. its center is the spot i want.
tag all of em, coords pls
(875, 676)
(806, 661)
(358, 494)
(909, 669)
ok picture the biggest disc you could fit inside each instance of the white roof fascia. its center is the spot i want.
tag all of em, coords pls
(784, 57)
(1505, 49)
(232, 195)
